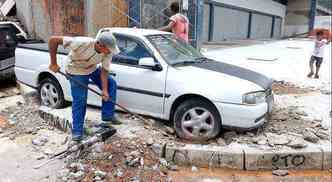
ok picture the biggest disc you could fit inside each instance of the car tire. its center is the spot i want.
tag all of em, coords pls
(51, 94)
(197, 120)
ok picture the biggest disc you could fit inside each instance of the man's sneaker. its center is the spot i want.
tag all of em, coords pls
(115, 121)
(317, 76)
(77, 138)
(310, 74)
(104, 124)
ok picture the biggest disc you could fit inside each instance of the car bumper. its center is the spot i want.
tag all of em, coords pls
(244, 116)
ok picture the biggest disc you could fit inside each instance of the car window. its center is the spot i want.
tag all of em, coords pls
(131, 50)
(6, 39)
(174, 50)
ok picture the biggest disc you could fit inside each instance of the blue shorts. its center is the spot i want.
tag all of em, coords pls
(318, 60)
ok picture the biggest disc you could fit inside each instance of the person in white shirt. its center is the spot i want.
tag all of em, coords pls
(84, 56)
(318, 54)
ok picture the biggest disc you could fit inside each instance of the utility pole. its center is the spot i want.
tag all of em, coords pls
(312, 14)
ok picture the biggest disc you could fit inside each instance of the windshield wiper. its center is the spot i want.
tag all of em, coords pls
(184, 63)
(201, 59)
(197, 60)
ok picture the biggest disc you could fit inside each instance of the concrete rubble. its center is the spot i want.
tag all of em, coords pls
(292, 134)
(310, 136)
(40, 141)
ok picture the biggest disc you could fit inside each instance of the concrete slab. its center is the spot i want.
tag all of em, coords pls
(206, 156)
(283, 158)
(62, 119)
(59, 118)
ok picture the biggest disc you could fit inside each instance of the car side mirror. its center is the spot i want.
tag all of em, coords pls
(149, 62)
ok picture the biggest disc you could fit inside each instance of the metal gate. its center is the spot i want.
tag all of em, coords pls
(152, 14)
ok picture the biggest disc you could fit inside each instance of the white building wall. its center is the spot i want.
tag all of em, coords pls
(323, 22)
(264, 6)
(297, 17)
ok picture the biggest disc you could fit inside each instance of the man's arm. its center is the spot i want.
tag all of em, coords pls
(53, 45)
(168, 28)
(104, 84)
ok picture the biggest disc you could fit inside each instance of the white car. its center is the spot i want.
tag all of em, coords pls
(163, 77)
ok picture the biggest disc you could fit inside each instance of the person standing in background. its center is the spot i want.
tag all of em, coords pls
(179, 23)
(318, 54)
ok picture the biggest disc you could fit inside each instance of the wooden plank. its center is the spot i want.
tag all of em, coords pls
(119, 13)
(73, 17)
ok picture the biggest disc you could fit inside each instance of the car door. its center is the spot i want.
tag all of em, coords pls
(7, 49)
(140, 88)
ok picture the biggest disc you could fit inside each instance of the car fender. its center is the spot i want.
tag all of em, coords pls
(170, 101)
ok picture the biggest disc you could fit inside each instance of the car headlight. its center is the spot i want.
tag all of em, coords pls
(254, 98)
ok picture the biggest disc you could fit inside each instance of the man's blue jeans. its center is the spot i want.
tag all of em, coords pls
(80, 95)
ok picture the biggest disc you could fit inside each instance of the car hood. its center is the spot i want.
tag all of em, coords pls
(236, 71)
(220, 81)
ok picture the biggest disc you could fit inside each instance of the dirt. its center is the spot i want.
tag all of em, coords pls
(23, 117)
(21, 124)
(27, 125)
(286, 88)
(119, 149)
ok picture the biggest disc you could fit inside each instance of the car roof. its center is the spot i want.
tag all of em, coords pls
(136, 31)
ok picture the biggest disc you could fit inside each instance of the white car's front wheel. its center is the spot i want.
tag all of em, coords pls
(197, 119)
(50, 93)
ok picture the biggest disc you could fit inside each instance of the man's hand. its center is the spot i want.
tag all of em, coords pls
(53, 45)
(54, 67)
(106, 96)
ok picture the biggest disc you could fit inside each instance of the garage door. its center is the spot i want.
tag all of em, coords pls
(230, 24)
(261, 26)
(277, 28)
(206, 23)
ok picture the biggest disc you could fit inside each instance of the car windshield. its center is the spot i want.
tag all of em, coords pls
(175, 51)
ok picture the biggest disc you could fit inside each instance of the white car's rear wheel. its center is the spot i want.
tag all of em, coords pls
(197, 119)
(50, 93)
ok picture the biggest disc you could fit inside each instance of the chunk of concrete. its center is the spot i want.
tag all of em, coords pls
(158, 149)
(58, 118)
(284, 158)
(206, 156)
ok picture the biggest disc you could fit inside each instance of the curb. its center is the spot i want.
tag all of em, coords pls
(286, 158)
(242, 157)
(206, 156)
(55, 119)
